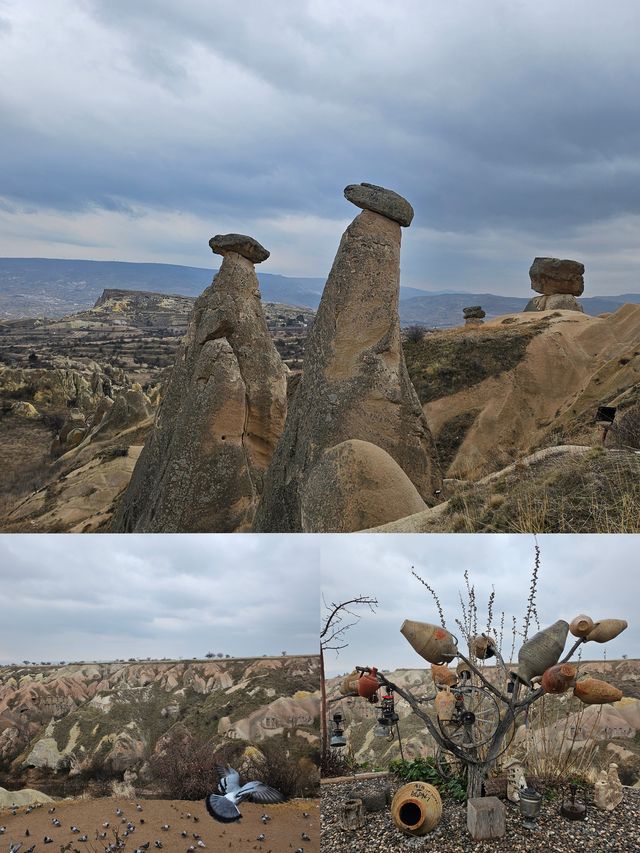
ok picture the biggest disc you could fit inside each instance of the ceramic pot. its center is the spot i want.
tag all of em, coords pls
(443, 676)
(606, 629)
(368, 684)
(559, 678)
(416, 808)
(349, 684)
(445, 704)
(432, 642)
(482, 647)
(542, 651)
(581, 625)
(464, 668)
(592, 691)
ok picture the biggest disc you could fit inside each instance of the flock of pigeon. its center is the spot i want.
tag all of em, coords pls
(222, 806)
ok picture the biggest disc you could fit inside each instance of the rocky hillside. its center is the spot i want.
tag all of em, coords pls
(512, 406)
(613, 729)
(49, 287)
(81, 717)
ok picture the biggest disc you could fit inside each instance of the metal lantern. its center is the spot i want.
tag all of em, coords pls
(571, 807)
(530, 807)
(337, 735)
(388, 717)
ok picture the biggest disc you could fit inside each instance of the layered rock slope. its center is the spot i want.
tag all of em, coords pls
(612, 729)
(222, 413)
(355, 383)
(115, 715)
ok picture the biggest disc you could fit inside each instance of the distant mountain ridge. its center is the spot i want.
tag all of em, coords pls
(36, 287)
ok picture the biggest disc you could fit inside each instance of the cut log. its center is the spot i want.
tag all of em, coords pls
(352, 815)
(485, 818)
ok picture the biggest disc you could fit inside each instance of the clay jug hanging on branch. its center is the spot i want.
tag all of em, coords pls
(432, 642)
(349, 684)
(606, 629)
(368, 684)
(443, 676)
(445, 705)
(482, 647)
(592, 691)
(559, 678)
(542, 651)
(581, 625)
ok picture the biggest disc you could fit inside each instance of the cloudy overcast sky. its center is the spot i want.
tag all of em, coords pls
(136, 130)
(100, 597)
(596, 575)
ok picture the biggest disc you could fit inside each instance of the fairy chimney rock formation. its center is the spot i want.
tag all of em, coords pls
(473, 315)
(222, 414)
(558, 281)
(355, 383)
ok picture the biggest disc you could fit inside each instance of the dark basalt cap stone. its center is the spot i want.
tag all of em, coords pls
(474, 311)
(380, 200)
(240, 243)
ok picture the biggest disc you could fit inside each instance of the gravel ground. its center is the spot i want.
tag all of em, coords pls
(283, 833)
(605, 832)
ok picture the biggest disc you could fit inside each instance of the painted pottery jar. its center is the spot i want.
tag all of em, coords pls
(416, 808)
(432, 642)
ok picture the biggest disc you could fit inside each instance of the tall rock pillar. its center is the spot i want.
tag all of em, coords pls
(355, 383)
(221, 416)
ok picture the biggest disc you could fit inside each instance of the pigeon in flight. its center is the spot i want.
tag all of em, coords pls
(224, 806)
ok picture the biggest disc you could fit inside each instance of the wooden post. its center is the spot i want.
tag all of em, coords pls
(485, 818)
(352, 814)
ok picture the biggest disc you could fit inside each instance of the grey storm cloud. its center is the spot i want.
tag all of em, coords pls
(593, 574)
(509, 126)
(96, 597)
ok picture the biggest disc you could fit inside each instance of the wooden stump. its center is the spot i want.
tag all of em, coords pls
(352, 814)
(485, 818)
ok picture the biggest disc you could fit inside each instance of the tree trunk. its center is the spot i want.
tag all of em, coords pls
(475, 779)
(324, 742)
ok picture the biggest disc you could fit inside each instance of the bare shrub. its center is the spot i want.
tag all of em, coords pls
(414, 333)
(280, 770)
(185, 769)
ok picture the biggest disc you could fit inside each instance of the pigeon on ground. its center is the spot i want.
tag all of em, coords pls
(15, 847)
(224, 806)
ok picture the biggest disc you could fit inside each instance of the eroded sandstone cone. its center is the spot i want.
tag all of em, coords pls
(554, 302)
(355, 383)
(203, 465)
(356, 485)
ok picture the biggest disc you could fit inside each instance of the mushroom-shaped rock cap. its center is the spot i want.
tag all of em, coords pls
(380, 200)
(240, 243)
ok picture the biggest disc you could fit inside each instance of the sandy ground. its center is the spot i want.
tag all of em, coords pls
(283, 833)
